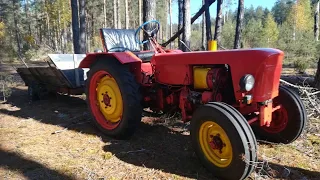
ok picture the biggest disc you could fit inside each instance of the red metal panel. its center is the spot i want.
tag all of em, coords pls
(264, 64)
(177, 74)
(123, 57)
(146, 68)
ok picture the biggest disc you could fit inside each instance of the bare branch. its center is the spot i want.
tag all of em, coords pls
(309, 96)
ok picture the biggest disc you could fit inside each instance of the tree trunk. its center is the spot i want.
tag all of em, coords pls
(89, 36)
(140, 12)
(208, 21)
(92, 30)
(180, 19)
(115, 14)
(83, 37)
(237, 42)
(160, 33)
(170, 20)
(64, 41)
(15, 9)
(149, 13)
(60, 35)
(204, 42)
(316, 21)
(127, 14)
(40, 34)
(186, 24)
(55, 37)
(105, 13)
(118, 14)
(317, 77)
(140, 16)
(227, 15)
(218, 27)
(48, 35)
(167, 9)
(28, 16)
(75, 26)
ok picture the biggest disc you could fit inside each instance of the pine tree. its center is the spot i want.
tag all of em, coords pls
(300, 17)
(271, 32)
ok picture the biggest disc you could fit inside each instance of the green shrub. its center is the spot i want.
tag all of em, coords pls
(301, 66)
(5, 85)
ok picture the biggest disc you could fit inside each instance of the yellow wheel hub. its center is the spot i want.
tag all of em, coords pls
(215, 144)
(110, 99)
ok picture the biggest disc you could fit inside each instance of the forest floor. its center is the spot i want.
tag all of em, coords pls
(54, 139)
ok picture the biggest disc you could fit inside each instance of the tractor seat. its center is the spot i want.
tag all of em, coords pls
(121, 40)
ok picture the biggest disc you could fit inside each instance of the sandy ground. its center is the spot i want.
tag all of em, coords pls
(54, 139)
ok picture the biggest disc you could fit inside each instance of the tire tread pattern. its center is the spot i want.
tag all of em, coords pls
(130, 91)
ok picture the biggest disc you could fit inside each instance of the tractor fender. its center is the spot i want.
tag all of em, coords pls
(122, 57)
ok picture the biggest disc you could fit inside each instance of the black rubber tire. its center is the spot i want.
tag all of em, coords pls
(246, 128)
(131, 97)
(297, 119)
(240, 135)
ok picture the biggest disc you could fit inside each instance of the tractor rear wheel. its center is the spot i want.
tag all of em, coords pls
(288, 122)
(223, 141)
(113, 98)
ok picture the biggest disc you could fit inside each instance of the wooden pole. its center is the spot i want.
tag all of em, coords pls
(193, 19)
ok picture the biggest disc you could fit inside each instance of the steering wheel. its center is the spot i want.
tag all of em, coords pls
(148, 32)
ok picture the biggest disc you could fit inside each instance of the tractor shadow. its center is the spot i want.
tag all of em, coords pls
(162, 148)
(29, 168)
(61, 110)
(154, 145)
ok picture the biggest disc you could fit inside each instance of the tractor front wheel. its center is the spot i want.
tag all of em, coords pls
(113, 98)
(223, 141)
(288, 122)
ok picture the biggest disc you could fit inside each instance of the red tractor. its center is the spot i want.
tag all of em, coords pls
(229, 96)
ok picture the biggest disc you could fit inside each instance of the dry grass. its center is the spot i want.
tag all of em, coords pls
(81, 151)
(52, 139)
(290, 71)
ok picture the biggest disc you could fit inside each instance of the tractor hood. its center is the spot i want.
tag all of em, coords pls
(264, 64)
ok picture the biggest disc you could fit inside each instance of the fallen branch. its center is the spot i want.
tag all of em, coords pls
(309, 96)
(60, 131)
(295, 86)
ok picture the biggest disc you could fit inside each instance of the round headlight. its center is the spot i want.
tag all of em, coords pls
(247, 82)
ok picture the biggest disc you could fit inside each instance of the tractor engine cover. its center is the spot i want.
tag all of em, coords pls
(209, 78)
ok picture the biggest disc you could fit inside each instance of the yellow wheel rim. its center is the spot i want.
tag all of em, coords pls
(110, 99)
(215, 144)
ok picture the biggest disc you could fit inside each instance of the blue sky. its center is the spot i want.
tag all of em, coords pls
(196, 5)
